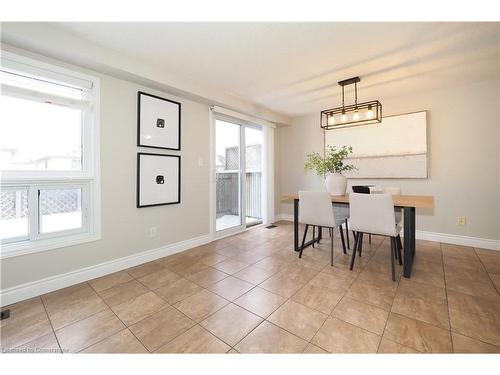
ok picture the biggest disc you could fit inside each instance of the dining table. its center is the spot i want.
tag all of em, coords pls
(408, 203)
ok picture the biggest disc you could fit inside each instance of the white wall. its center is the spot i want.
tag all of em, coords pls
(464, 167)
(125, 228)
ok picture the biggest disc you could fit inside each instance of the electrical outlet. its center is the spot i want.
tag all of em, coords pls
(462, 220)
(153, 231)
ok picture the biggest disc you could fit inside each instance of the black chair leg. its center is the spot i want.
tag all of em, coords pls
(303, 241)
(398, 249)
(393, 248)
(353, 256)
(314, 232)
(360, 244)
(331, 250)
(347, 233)
(370, 239)
(342, 239)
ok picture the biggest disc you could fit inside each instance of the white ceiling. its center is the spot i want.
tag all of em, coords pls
(293, 68)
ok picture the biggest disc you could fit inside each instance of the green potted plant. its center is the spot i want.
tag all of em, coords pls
(331, 166)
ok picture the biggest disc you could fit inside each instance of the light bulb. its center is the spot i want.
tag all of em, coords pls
(355, 116)
(331, 120)
(343, 118)
(369, 114)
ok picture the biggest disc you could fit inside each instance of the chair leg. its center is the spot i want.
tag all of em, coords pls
(331, 250)
(398, 249)
(347, 233)
(353, 256)
(303, 241)
(393, 248)
(314, 232)
(360, 244)
(342, 239)
(370, 239)
(330, 230)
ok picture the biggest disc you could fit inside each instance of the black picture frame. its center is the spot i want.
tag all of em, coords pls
(160, 122)
(138, 188)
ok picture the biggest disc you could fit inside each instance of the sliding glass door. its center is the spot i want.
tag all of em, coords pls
(238, 175)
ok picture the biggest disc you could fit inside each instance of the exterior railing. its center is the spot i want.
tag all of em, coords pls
(228, 198)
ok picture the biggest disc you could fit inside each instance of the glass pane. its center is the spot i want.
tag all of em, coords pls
(60, 209)
(32, 136)
(227, 175)
(253, 161)
(13, 213)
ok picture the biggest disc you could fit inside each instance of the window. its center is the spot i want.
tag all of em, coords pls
(49, 188)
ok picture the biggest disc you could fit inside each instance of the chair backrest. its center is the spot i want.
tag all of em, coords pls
(315, 208)
(392, 190)
(372, 213)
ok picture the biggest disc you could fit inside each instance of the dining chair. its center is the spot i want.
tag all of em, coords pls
(316, 210)
(374, 213)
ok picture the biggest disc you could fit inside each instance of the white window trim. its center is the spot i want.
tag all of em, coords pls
(90, 176)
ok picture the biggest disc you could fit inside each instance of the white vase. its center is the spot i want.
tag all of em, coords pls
(336, 183)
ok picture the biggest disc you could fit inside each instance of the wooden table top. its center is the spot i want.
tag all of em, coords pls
(417, 201)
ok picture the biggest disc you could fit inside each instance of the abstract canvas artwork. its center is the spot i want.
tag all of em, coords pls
(158, 179)
(158, 122)
(395, 148)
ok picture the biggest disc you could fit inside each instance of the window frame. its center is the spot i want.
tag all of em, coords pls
(88, 178)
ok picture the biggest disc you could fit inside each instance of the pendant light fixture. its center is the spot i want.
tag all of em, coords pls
(353, 114)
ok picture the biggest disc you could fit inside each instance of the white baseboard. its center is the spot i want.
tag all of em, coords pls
(49, 284)
(455, 239)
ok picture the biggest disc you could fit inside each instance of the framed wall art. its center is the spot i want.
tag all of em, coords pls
(158, 122)
(158, 179)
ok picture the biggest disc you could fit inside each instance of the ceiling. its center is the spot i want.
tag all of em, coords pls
(293, 68)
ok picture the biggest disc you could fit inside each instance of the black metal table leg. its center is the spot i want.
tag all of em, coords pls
(296, 225)
(409, 240)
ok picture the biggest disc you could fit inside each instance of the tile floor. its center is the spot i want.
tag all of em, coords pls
(250, 293)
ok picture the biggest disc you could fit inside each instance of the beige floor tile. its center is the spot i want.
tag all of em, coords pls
(268, 338)
(417, 335)
(230, 251)
(333, 283)
(496, 281)
(491, 263)
(189, 268)
(46, 344)
(313, 349)
(157, 279)
(374, 291)
(337, 336)
(254, 274)
(466, 274)
(260, 301)
(271, 263)
(161, 327)
(72, 304)
(109, 281)
(201, 305)
(318, 298)
(486, 252)
(24, 330)
(458, 252)
(464, 344)
(475, 326)
(123, 293)
(132, 311)
(23, 310)
(123, 342)
(360, 314)
(207, 277)
(418, 301)
(472, 264)
(428, 277)
(230, 288)
(79, 335)
(145, 269)
(287, 282)
(177, 291)
(489, 308)
(231, 323)
(473, 288)
(390, 347)
(230, 266)
(251, 257)
(213, 259)
(298, 319)
(343, 275)
(195, 340)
